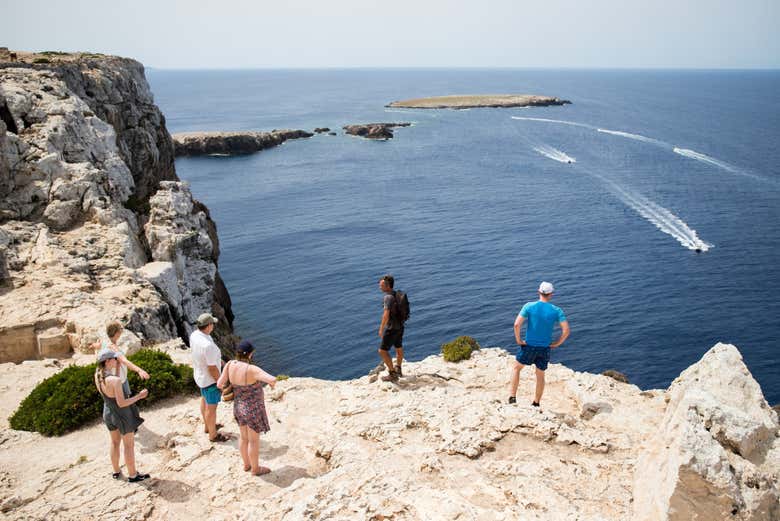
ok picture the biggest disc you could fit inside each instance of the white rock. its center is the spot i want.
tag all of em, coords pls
(716, 428)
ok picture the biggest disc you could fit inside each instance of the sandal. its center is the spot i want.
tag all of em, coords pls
(117, 475)
(261, 471)
(219, 438)
(138, 477)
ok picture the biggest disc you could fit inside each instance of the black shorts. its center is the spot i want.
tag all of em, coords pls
(392, 338)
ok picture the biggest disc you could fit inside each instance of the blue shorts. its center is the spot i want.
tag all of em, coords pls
(539, 356)
(211, 394)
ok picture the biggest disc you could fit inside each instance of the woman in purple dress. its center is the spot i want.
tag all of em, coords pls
(248, 403)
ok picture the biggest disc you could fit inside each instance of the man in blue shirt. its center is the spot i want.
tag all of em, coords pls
(535, 349)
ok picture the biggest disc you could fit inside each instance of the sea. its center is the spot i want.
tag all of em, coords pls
(652, 203)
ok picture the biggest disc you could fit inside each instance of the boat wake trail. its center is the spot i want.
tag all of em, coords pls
(704, 158)
(554, 154)
(559, 121)
(698, 156)
(662, 218)
(636, 137)
(692, 154)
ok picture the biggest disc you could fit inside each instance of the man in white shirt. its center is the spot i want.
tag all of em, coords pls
(206, 363)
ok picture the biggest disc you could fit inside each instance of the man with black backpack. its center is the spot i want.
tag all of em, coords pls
(391, 330)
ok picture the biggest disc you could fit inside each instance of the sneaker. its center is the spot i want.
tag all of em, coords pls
(535, 404)
(398, 370)
(138, 477)
(512, 399)
(391, 376)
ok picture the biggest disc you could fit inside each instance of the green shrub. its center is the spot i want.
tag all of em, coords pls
(54, 53)
(459, 349)
(69, 399)
(41, 60)
(281, 377)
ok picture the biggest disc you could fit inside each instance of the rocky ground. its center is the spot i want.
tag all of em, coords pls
(441, 444)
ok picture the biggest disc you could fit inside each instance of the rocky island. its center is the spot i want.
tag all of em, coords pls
(374, 130)
(230, 143)
(478, 101)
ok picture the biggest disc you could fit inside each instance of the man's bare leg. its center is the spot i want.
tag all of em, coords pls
(387, 360)
(539, 385)
(514, 377)
(399, 357)
(211, 421)
(203, 412)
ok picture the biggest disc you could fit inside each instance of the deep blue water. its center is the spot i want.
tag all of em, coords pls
(470, 217)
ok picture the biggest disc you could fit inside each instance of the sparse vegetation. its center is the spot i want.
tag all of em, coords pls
(459, 349)
(69, 399)
(281, 377)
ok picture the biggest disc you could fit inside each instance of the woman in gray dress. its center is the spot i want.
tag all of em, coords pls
(120, 414)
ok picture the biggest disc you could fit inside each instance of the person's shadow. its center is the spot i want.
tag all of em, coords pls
(171, 490)
(285, 476)
(149, 440)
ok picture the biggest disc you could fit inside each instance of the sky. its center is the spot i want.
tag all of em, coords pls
(196, 34)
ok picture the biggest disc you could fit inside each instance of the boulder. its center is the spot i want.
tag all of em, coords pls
(705, 461)
(616, 375)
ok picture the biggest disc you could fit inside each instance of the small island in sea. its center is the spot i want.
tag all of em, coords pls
(469, 101)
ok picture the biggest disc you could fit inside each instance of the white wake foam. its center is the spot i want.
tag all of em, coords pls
(637, 137)
(698, 156)
(662, 218)
(560, 121)
(555, 154)
(704, 158)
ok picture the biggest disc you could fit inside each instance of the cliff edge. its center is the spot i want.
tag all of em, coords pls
(442, 444)
(94, 223)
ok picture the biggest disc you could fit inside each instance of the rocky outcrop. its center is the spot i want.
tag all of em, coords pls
(83, 155)
(711, 456)
(321, 130)
(479, 101)
(374, 130)
(229, 143)
(441, 444)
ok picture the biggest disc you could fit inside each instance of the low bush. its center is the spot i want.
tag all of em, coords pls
(41, 60)
(281, 377)
(459, 349)
(69, 399)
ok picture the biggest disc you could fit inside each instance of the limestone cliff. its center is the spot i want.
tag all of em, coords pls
(94, 223)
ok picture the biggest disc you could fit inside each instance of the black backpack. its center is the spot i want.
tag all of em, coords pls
(401, 312)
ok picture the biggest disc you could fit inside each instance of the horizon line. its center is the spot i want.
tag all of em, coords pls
(462, 67)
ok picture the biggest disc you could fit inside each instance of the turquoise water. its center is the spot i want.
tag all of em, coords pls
(471, 209)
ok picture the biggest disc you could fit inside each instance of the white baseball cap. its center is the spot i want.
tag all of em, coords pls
(546, 288)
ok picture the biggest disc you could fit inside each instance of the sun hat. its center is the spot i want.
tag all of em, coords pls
(546, 288)
(205, 319)
(245, 347)
(107, 354)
